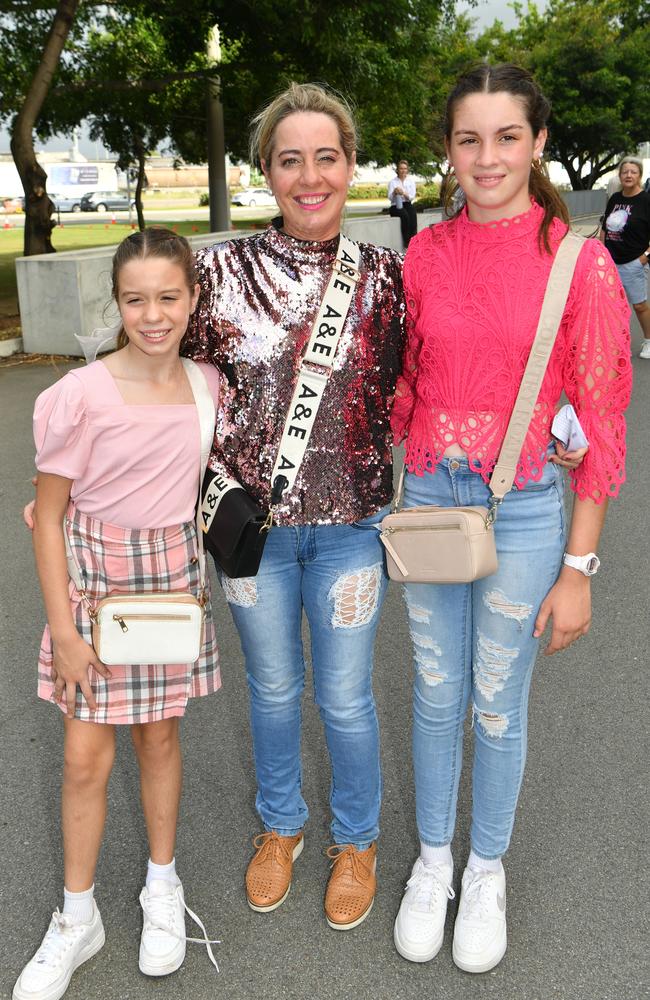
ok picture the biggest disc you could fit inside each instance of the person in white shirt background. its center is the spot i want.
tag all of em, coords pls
(401, 192)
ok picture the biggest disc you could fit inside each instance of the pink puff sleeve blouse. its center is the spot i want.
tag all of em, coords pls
(474, 294)
(132, 466)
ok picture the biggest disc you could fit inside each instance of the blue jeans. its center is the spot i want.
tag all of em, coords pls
(476, 639)
(336, 573)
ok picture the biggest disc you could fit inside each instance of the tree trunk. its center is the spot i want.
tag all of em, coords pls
(139, 185)
(38, 207)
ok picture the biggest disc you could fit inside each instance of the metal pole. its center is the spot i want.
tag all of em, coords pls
(128, 192)
(217, 181)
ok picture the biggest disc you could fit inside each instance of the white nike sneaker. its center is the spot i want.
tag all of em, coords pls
(163, 941)
(645, 350)
(480, 939)
(420, 924)
(65, 947)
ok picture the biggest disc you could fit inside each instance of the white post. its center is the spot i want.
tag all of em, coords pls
(217, 180)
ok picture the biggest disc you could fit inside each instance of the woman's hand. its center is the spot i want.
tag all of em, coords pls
(28, 514)
(567, 459)
(28, 510)
(568, 603)
(72, 657)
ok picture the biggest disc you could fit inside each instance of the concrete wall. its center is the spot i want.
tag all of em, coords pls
(585, 202)
(69, 293)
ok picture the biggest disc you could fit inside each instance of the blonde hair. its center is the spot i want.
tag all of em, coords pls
(300, 97)
(510, 79)
(155, 242)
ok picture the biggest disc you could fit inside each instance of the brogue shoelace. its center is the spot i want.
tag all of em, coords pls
(61, 934)
(347, 858)
(427, 881)
(271, 847)
(159, 911)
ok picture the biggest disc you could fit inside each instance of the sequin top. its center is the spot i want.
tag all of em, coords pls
(474, 293)
(259, 298)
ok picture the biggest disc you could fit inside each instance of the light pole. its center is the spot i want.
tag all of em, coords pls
(217, 181)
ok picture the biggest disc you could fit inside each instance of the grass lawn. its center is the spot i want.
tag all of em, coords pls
(70, 237)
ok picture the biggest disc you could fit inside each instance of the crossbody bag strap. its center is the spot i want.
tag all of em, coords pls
(316, 367)
(207, 417)
(553, 306)
(205, 408)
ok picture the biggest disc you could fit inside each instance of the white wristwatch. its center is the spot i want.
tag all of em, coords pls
(585, 564)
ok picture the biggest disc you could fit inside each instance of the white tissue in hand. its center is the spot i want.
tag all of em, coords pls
(566, 428)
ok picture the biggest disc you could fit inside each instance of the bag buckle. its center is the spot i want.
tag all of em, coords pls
(491, 516)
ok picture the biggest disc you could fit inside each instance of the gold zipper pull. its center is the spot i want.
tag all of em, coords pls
(121, 623)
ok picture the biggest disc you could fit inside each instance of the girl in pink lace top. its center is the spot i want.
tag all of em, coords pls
(474, 289)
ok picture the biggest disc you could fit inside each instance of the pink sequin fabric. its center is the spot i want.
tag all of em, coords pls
(474, 294)
(259, 298)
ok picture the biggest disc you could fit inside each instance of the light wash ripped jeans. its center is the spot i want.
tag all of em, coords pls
(476, 640)
(336, 574)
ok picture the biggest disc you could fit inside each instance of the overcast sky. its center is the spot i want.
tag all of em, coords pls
(485, 12)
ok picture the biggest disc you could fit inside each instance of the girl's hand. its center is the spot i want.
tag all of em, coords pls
(568, 603)
(72, 657)
(567, 459)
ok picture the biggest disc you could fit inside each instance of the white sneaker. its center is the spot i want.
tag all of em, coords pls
(420, 924)
(645, 350)
(163, 941)
(480, 939)
(65, 947)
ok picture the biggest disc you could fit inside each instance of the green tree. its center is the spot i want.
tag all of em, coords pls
(589, 57)
(136, 94)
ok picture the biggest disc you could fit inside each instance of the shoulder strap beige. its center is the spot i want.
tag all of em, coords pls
(555, 298)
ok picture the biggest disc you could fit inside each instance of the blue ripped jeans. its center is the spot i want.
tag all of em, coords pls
(475, 640)
(336, 574)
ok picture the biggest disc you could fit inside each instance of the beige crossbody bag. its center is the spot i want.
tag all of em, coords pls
(433, 544)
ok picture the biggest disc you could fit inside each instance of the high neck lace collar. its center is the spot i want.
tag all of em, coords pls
(502, 230)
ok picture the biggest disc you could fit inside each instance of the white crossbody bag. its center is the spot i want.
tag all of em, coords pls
(154, 627)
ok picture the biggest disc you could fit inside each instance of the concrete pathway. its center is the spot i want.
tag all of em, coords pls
(577, 903)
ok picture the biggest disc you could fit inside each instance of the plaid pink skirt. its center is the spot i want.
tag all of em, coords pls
(127, 560)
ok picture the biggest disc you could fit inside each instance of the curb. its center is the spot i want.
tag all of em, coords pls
(8, 347)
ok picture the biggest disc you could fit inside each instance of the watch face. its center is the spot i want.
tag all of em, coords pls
(592, 565)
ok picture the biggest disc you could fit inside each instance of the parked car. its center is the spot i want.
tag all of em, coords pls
(105, 201)
(66, 202)
(253, 196)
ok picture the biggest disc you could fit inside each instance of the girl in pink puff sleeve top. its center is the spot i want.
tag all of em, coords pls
(474, 293)
(474, 287)
(132, 465)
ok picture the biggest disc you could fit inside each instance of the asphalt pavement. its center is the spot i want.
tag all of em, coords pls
(577, 866)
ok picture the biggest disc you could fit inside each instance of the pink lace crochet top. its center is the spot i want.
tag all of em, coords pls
(474, 294)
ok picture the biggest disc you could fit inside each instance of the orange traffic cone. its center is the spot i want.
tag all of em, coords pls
(113, 219)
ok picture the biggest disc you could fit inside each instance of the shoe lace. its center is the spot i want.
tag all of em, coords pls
(61, 933)
(474, 895)
(426, 881)
(159, 911)
(347, 858)
(271, 846)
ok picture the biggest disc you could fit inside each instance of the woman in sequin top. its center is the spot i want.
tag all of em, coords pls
(259, 298)
(474, 288)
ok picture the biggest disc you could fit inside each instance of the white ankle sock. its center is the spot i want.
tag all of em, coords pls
(164, 873)
(484, 864)
(79, 905)
(436, 855)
